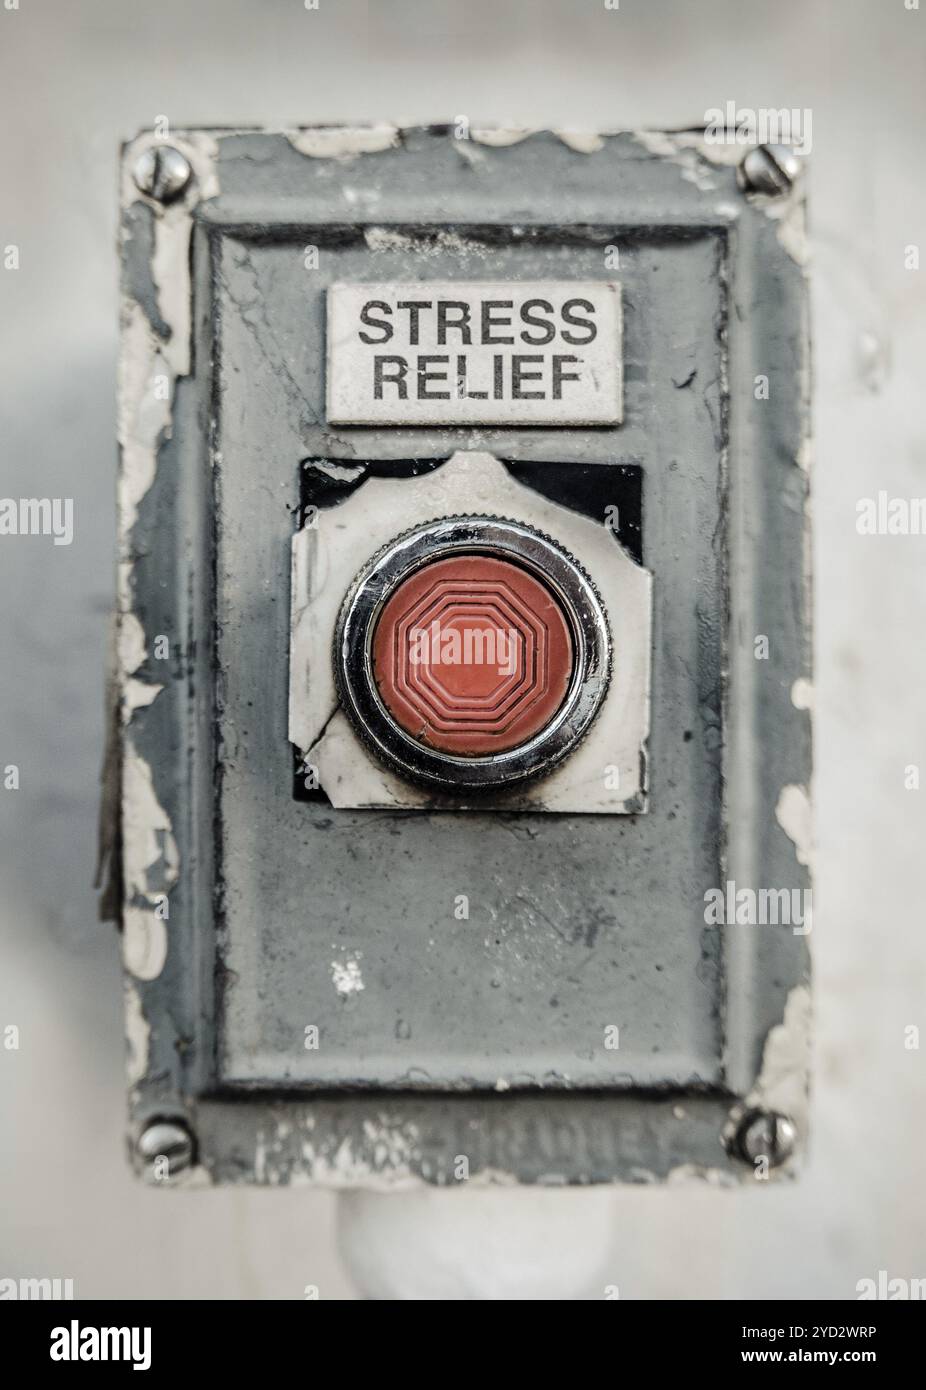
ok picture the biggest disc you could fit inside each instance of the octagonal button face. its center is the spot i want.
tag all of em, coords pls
(472, 655)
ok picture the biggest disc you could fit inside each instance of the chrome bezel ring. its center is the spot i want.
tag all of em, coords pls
(538, 555)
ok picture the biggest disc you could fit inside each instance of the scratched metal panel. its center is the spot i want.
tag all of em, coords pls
(575, 923)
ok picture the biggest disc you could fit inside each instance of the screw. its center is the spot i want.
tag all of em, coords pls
(169, 1141)
(162, 172)
(769, 169)
(765, 1134)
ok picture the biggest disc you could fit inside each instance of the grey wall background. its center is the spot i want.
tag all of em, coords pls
(77, 76)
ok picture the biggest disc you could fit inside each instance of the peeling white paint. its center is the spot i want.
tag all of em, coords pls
(689, 150)
(132, 651)
(802, 693)
(149, 365)
(343, 142)
(684, 150)
(793, 813)
(144, 942)
(132, 647)
(390, 1153)
(149, 826)
(386, 239)
(394, 1148)
(433, 246)
(500, 136)
(173, 225)
(137, 1033)
(148, 372)
(339, 472)
(148, 841)
(721, 153)
(581, 141)
(346, 975)
(146, 384)
(345, 1169)
(782, 1083)
(136, 695)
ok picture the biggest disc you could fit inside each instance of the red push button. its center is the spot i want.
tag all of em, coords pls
(472, 655)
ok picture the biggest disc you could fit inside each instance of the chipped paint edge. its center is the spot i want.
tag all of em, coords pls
(783, 1084)
(150, 365)
(343, 142)
(794, 813)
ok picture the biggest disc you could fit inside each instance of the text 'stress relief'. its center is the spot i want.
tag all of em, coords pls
(475, 353)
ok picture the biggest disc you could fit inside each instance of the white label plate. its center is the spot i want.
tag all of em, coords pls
(489, 352)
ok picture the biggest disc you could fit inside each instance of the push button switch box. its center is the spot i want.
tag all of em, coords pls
(450, 518)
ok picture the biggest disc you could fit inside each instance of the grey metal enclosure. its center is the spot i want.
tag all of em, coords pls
(357, 955)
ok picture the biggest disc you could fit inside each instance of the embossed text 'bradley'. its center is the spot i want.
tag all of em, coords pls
(492, 352)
